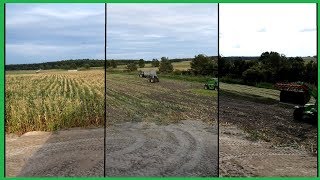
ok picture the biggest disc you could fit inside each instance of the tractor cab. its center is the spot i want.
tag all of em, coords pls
(211, 84)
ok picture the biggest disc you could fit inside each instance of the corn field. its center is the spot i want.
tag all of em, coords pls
(54, 100)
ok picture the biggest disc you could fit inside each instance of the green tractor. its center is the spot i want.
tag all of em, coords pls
(300, 93)
(211, 84)
(307, 113)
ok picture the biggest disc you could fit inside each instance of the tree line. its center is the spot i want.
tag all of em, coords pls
(270, 67)
(65, 64)
(200, 65)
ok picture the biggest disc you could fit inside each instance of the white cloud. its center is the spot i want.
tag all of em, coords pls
(167, 28)
(281, 24)
(54, 32)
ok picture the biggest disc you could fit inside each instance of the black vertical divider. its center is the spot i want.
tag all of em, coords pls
(4, 89)
(105, 89)
(218, 86)
(317, 26)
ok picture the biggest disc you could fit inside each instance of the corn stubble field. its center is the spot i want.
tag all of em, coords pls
(54, 100)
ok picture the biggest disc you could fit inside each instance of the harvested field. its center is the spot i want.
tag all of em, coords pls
(153, 129)
(130, 98)
(160, 129)
(269, 122)
(239, 156)
(258, 136)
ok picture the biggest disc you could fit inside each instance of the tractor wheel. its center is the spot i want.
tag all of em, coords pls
(298, 114)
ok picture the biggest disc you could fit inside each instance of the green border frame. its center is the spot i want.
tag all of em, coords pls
(2, 55)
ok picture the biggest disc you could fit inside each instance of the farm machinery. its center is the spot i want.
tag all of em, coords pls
(211, 84)
(300, 93)
(152, 76)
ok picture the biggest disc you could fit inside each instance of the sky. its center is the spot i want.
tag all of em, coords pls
(150, 31)
(38, 33)
(250, 29)
(49, 32)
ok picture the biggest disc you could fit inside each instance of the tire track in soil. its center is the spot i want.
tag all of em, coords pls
(188, 148)
(146, 149)
(74, 152)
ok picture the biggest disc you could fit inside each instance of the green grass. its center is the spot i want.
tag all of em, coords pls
(250, 92)
(205, 92)
(200, 79)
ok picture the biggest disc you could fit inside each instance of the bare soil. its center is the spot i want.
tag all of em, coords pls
(188, 148)
(262, 139)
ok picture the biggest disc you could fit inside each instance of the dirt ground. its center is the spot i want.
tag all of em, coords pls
(77, 152)
(261, 139)
(188, 148)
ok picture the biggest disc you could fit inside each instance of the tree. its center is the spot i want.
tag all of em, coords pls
(108, 64)
(275, 65)
(252, 75)
(155, 63)
(73, 66)
(113, 64)
(86, 66)
(141, 63)
(224, 66)
(132, 67)
(239, 66)
(165, 65)
(202, 65)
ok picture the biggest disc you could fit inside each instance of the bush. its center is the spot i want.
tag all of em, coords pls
(155, 63)
(202, 65)
(132, 67)
(165, 66)
(141, 63)
(252, 75)
(86, 66)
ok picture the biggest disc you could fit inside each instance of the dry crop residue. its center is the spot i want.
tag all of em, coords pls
(130, 98)
(258, 139)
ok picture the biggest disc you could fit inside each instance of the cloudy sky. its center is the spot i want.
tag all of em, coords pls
(250, 29)
(154, 30)
(49, 32)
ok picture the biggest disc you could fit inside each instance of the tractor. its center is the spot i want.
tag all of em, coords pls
(153, 78)
(299, 93)
(143, 74)
(211, 84)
